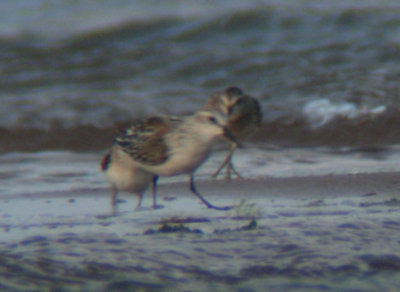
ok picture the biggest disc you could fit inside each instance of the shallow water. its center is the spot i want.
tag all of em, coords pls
(320, 69)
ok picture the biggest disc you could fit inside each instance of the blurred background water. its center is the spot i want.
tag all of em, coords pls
(326, 72)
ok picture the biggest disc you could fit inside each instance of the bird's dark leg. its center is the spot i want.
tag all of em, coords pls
(232, 168)
(197, 194)
(113, 202)
(139, 203)
(226, 161)
(229, 165)
(155, 180)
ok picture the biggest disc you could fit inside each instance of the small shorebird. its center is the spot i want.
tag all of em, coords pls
(169, 146)
(244, 118)
(120, 169)
(123, 175)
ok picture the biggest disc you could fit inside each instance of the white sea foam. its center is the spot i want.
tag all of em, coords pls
(321, 111)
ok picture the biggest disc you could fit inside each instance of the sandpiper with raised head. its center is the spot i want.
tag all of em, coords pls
(244, 118)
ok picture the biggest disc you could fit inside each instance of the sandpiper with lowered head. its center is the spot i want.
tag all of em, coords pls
(175, 145)
(120, 169)
(244, 118)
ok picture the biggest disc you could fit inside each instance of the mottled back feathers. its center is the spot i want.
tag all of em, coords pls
(144, 141)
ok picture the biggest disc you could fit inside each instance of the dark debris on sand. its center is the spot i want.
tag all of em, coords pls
(181, 228)
(173, 228)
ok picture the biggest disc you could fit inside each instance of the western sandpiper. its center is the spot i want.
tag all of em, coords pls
(174, 146)
(244, 118)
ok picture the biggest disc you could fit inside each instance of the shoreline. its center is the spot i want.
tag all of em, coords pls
(262, 199)
(325, 185)
(301, 231)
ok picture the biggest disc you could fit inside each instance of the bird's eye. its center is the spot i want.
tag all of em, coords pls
(213, 120)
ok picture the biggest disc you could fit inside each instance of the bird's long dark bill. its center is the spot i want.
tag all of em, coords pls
(229, 135)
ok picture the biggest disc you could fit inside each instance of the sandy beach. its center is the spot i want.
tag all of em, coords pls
(328, 232)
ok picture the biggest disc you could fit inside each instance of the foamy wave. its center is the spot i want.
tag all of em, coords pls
(321, 111)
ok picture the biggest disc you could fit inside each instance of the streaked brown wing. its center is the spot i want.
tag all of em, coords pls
(144, 141)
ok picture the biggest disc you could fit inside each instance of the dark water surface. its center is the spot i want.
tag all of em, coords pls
(71, 71)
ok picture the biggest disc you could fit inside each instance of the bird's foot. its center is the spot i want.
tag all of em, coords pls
(155, 207)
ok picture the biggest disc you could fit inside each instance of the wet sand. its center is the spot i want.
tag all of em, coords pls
(330, 232)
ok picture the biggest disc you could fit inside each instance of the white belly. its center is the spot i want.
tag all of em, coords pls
(125, 176)
(180, 163)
